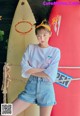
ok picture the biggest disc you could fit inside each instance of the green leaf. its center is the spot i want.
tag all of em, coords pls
(1, 32)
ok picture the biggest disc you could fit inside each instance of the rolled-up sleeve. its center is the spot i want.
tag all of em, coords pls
(52, 69)
(25, 64)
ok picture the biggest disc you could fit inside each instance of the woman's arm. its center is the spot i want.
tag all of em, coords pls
(37, 72)
(34, 70)
(41, 74)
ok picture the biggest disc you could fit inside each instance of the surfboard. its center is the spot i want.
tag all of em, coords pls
(64, 20)
(21, 34)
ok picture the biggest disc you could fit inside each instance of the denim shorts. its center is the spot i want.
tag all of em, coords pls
(38, 90)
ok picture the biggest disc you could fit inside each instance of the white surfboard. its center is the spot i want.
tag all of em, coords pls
(21, 34)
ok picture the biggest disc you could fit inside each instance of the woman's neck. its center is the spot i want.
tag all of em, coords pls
(43, 46)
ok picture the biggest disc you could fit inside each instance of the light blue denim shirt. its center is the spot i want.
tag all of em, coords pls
(37, 57)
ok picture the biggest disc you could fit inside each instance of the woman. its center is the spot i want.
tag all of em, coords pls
(40, 65)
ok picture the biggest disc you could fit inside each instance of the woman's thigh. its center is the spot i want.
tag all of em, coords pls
(45, 111)
(19, 106)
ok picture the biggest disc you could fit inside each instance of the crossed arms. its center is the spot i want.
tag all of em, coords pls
(37, 72)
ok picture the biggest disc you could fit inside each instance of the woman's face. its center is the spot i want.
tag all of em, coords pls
(43, 36)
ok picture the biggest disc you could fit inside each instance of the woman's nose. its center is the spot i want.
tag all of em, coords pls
(42, 38)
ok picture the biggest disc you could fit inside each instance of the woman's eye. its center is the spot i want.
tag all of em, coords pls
(38, 36)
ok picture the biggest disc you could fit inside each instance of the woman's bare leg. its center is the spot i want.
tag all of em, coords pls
(19, 106)
(45, 111)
